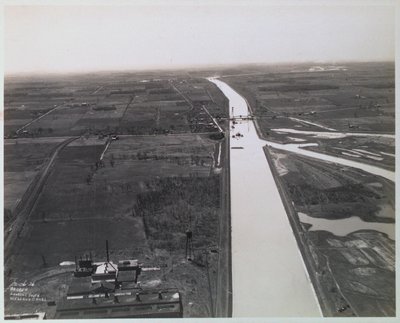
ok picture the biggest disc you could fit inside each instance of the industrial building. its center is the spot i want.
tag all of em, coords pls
(26, 316)
(108, 290)
(122, 304)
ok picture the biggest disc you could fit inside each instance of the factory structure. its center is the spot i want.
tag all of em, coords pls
(111, 290)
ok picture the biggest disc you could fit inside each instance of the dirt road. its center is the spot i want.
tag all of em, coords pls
(223, 297)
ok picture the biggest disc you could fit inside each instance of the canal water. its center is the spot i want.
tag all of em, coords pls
(343, 227)
(268, 273)
(297, 148)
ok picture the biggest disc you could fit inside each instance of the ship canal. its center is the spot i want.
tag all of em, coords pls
(268, 273)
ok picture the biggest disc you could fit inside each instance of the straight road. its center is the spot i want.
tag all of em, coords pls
(38, 118)
(223, 297)
(213, 119)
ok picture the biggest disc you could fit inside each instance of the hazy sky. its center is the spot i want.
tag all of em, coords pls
(85, 38)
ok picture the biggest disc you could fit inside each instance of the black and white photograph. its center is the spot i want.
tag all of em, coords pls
(199, 159)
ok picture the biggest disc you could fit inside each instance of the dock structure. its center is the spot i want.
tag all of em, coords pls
(241, 118)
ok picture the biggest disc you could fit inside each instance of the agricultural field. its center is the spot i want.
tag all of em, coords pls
(125, 158)
(357, 97)
(126, 105)
(23, 158)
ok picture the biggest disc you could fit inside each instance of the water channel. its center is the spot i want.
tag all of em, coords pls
(268, 274)
(342, 227)
(269, 277)
(297, 148)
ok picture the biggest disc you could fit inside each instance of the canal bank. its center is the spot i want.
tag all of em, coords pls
(312, 271)
(223, 296)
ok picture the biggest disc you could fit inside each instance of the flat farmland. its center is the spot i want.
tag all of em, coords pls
(23, 159)
(62, 196)
(356, 98)
(139, 169)
(160, 117)
(77, 189)
(147, 188)
(186, 153)
(142, 168)
(26, 99)
(325, 106)
(123, 105)
(58, 123)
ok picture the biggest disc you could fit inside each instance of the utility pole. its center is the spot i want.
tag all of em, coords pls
(108, 255)
(209, 284)
(189, 246)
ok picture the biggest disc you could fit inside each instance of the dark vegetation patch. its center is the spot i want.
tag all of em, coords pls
(109, 108)
(176, 204)
(389, 85)
(299, 87)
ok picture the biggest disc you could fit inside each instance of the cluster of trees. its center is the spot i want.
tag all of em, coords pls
(148, 130)
(7, 215)
(179, 203)
(309, 194)
(41, 131)
(180, 160)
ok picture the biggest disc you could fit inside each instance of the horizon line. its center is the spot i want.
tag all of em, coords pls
(185, 67)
